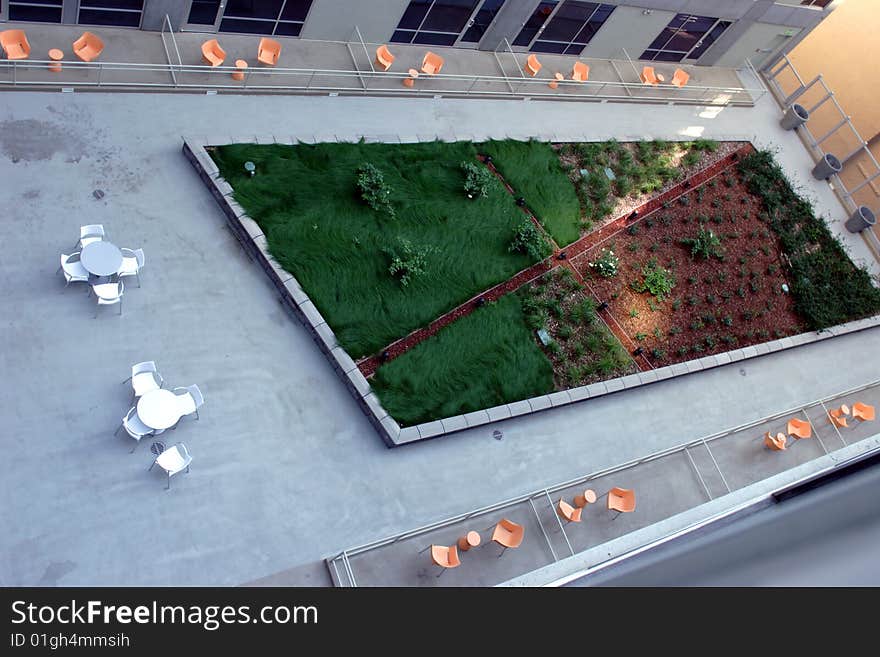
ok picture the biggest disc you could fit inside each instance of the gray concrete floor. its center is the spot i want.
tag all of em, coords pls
(286, 469)
(664, 487)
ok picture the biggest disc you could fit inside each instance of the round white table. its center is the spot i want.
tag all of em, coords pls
(101, 258)
(159, 409)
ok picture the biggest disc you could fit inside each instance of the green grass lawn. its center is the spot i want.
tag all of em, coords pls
(305, 199)
(533, 169)
(487, 358)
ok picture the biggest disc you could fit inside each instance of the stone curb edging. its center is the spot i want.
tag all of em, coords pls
(251, 237)
(295, 299)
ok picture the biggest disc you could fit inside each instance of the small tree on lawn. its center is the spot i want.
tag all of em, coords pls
(407, 261)
(374, 191)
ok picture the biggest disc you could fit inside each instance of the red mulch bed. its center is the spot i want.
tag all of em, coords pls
(708, 293)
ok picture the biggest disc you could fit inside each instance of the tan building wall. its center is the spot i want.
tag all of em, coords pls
(843, 48)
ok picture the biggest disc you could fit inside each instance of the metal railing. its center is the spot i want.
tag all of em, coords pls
(341, 565)
(815, 144)
(361, 79)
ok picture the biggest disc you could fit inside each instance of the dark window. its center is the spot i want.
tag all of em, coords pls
(437, 22)
(574, 24)
(124, 13)
(45, 11)
(536, 20)
(296, 10)
(246, 26)
(686, 37)
(288, 29)
(253, 9)
(816, 3)
(482, 20)
(203, 12)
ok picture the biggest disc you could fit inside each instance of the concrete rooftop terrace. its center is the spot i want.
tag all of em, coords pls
(286, 469)
(137, 59)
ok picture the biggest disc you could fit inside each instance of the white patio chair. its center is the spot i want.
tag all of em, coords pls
(134, 427)
(132, 263)
(144, 378)
(73, 270)
(89, 234)
(173, 460)
(109, 294)
(190, 399)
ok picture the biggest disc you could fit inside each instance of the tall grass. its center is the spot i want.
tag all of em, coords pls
(318, 228)
(533, 170)
(484, 359)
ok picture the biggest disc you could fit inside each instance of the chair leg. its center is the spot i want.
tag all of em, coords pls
(442, 571)
(120, 306)
(168, 487)
(135, 446)
(503, 550)
(425, 550)
(151, 465)
(197, 414)
(116, 433)
(139, 278)
(616, 517)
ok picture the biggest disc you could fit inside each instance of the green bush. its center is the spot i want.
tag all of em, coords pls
(529, 240)
(374, 191)
(656, 280)
(477, 179)
(704, 245)
(407, 261)
(606, 265)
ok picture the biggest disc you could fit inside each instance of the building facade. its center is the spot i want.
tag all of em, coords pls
(706, 32)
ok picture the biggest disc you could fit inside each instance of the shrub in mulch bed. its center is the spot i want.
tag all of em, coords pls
(827, 287)
(731, 298)
(582, 349)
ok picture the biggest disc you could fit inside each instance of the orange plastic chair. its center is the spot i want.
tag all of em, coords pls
(799, 428)
(580, 72)
(508, 534)
(863, 412)
(648, 75)
(384, 58)
(445, 557)
(621, 500)
(268, 52)
(212, 53)
(568, 512)
(680, 78)
(532, 65)
(837, 416)
(88, 47)
(15, 44)
(777, 442)
(432, 63)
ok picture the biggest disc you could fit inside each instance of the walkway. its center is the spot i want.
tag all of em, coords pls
(280, 440)
(134, 59)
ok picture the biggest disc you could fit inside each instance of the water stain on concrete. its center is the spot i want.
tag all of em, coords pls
(31, 194)
(55, 571)
(30, 140)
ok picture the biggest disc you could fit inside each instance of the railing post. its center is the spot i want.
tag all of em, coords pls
(100, 72)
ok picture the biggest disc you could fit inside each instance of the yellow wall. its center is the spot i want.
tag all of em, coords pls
(844, 49)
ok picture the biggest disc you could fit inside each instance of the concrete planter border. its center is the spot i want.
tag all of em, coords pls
(297, 301)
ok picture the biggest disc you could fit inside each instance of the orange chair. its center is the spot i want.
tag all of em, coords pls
(837, 416)
(508, 534)
(777, 442)
(580, 72)
(212, 53)
(445, 557)
(532, 65)
(648, 75)
(432, 63)
(863, 412)
(568, 512)
(15, 44)
(384, 58)
(680, 78)
(268, 52)
(621, 500)
(799, 428)
(88, 47)
(587, 497)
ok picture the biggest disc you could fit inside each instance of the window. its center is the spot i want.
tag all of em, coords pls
(816, 3)
(41, 11)
(481, 21)
(203, 12)
(535, 23)
(126, 13)
(686, 37)
(284, 17)
(435, 22)
(571, 28)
